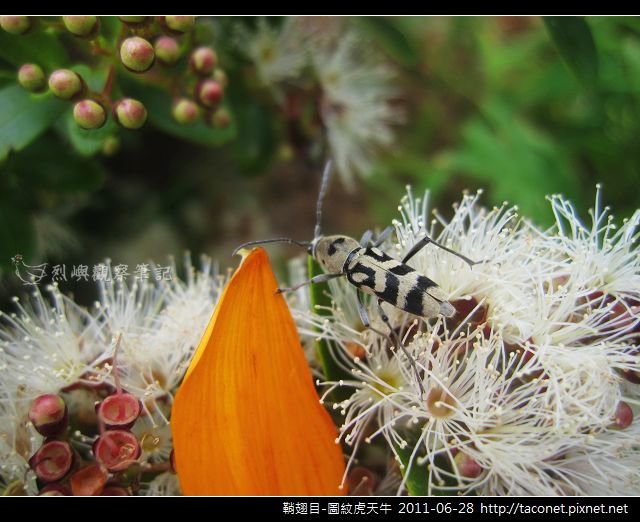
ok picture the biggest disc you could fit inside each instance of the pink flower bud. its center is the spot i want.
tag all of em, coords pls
(130, 113)
(89, 114)
(15, 24)
(65, 84)
(82, 25)
(32, 78)
(221, 119)
(179, 24)
(203, 61)
(137, 54)
(185, 111)
(167, 50)
(48, 414)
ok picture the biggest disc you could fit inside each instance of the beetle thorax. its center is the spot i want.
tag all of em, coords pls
(332, 252)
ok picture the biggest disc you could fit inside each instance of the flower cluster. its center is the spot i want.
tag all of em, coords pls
(529, 389)
(357, 108)
(86, 395)
(134, 44)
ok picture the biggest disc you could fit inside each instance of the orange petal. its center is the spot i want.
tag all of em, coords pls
(247, 419)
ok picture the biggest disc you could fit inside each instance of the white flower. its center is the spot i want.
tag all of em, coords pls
(278, 54)
(159, 325)
(602, 256)
(155, 439)
(518, 391)
(48, 344)
(501, 283)
(140, 336)
(606, 462)
(18, 440)
(356, 107)
(165, 484)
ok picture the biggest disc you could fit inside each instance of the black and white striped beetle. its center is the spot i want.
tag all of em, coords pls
(372, 271)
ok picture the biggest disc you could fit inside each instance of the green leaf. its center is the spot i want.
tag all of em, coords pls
(159, 103)
(45, 166)
(110, 29)
(632, 22)
(387, 34)
(417, 475)
(23, 117)
(255, 145)
(572, 36)
(517, 162)
(38, 47)
(94, 78)
(417, 481)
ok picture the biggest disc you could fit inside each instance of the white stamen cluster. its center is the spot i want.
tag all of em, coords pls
(52, 345)
(524, 381)
(278, 54)
(356, 107)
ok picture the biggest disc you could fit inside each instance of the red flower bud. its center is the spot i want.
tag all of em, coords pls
(209, 93)
(48, 414)
(119, 410)
(623, 416)
(117, 449)
(52, 461)
(468, 466)
(89, 480)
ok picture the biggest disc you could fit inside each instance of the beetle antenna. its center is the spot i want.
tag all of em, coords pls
(324, 184)
(274, 240)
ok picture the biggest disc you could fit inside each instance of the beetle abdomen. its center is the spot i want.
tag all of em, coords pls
(378, 274)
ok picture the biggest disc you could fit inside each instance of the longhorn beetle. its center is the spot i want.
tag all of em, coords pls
(373, 272)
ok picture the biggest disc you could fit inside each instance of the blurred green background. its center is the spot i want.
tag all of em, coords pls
(519, 106)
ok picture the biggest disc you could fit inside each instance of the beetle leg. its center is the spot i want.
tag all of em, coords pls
(362, 311)
(366, 238)
(383, 236)
(425, 241)
(396, 338)
(321, 278)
